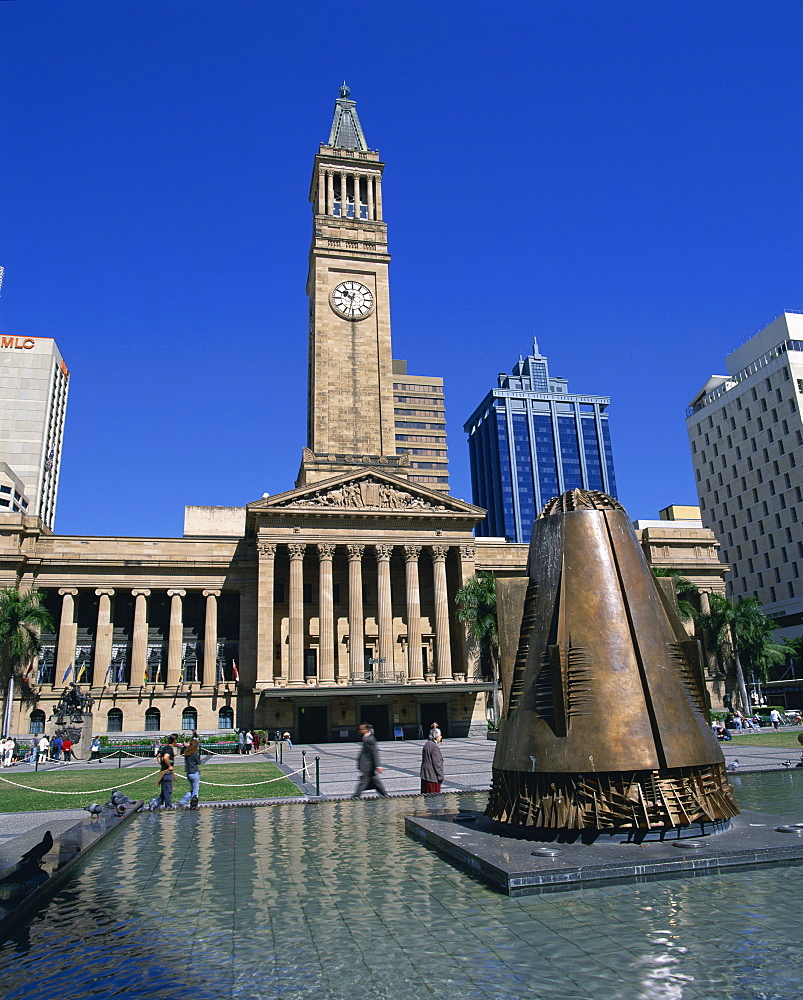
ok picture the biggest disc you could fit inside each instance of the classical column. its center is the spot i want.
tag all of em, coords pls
(379, 199)
(343, 196)
(139, 640)
(469, 648)
(369, 191)
(705, 604)
(321, 201)
(326, 613)
(68, 630)
(415, 667)
(330, 192)
(383, 554)
(103, 639)
(265, 586)
(175, 638)
(443, 647)
(209, 671)
(356, 622)
(296, 550)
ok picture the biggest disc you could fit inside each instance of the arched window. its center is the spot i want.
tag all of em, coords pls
(37, 721)
(153, 720)
(114, 720)
(225, 718)
(189, 719)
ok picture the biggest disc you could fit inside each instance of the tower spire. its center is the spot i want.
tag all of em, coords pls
(346, 132)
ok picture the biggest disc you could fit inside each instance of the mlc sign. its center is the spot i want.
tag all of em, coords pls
(20, 343)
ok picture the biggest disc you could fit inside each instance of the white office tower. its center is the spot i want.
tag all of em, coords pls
(746, 436)
(33, 400)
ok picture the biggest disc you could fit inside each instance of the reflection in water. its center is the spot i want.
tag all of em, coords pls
(332, 901)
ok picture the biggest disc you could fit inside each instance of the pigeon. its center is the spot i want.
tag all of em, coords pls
(38, 851)
(120, 802)
(94, 810)
(787, 763)
(734, 764)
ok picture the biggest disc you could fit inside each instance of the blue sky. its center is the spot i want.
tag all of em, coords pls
(620, 179)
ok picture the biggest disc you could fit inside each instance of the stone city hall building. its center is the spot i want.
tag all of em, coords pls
(309, 610)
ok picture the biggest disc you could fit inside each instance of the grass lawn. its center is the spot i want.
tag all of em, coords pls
(90, 783)
(768, 738)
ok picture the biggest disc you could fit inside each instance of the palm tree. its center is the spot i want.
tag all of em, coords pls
(686, 609)
(22, 619)
(794, 647)
(739, 629)
(476, 608)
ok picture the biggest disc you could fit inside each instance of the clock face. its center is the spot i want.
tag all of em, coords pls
(352, 299)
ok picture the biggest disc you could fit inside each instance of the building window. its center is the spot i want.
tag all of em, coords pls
(114, 720)
(153, 720)
(37, 724)
(225, 718)
(189, 719)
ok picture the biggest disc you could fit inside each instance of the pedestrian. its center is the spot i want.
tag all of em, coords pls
(192, 766)
(156, 746)
(167, 758)
(368, 764)
(66, 749)
(44, 747)
(431, 766)
(249, 741)
(435, 733)
(775, 719)
(55, 746)
(15, 751)
(94, 749)
(7, 746)
(256, 741)
(33, 753)
(287, 740)
(738, 718)
(240, 741)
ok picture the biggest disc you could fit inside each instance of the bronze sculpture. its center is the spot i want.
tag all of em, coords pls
(606, 726)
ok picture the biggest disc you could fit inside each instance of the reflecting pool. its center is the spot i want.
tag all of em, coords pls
(333, 902)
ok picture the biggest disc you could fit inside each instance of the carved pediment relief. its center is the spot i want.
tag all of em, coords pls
(364, 494)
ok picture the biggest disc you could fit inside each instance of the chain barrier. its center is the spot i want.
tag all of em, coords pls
(150, 774)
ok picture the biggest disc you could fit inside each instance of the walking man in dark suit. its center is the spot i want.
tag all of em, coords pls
(368, 764)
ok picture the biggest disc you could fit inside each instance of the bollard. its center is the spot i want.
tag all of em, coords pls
(36, 765)
(303, 766)
(119, 758)
(317, 775)
(281, 752)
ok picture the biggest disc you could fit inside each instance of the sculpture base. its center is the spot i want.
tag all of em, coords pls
(516, 861)
(613, 801)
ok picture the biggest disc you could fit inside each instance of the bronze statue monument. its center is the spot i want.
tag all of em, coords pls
(606, 727)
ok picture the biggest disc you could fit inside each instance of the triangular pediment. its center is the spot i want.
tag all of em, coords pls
(367, 492)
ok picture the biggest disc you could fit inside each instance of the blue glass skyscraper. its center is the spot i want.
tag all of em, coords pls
(530, 440)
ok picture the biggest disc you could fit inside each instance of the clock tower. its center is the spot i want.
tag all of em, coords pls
(350, 419)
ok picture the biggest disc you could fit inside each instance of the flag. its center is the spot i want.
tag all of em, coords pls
(67, 673)
(220, 677)
(121, 673)
(235, 671)
(108, 674)
(41, 675)
(145, 675)
(80, 673)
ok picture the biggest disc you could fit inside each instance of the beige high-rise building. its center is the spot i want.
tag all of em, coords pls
(33, 400)
(746, 436)
(420, 412)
